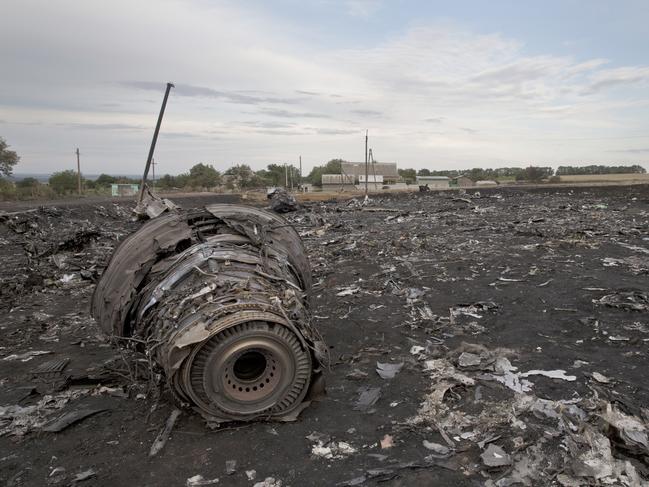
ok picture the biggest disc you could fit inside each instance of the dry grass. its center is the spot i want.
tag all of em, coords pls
(606, 178)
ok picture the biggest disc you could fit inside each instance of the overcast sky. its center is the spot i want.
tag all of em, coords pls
(439, 84)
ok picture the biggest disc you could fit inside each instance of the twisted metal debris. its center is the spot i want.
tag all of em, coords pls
(219, 299)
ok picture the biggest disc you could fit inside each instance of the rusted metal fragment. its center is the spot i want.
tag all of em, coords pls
(152, 206)
(219, 300)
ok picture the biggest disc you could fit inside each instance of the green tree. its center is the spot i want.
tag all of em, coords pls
(28, 187)
(535, 173)
(166, 182)
(334, 166)
(89, 184)
(204, 176)
(7, 189)
(408, 175)
(63, 182)
(277, 174)
(244, 177)
(8, 159)
(424, 172)
(105, 180)
(27, 183)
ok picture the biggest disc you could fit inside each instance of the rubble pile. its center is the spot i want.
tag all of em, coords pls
(473, 338)
(49, 246)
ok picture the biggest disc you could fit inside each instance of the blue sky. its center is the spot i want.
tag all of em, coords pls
(438, 84)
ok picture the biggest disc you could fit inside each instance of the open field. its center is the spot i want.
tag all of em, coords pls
(521, 318)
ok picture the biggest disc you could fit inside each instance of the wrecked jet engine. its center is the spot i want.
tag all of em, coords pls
(218, 298)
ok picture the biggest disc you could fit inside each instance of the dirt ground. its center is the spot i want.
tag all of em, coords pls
(520, 318)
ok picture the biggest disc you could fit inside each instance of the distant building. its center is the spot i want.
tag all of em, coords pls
(434, 182)
(388, 170)
(462, 182)
(124, 189)
(371, 178)
(337, 182)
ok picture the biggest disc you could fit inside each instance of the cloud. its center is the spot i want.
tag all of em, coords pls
(368, 113)
(245, 74)
(102, 126)
(332, 131)
(204, 92)
(268, 124)
(363, 8)
(288, 114)
(631, 151)
(309, 93)
(609, 78)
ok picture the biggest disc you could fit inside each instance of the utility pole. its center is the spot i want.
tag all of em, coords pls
(153, 170)
(300, 184)
(149, 159)
(366, 168)
(78, 172)
(285, 176)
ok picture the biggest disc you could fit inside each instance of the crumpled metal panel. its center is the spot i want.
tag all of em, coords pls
(219, 299)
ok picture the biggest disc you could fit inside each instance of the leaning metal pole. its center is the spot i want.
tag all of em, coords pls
(153, 142)
(218, 299)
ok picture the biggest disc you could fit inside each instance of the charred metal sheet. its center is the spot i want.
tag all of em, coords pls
(219, 298)
(281, 201)
(151, 206)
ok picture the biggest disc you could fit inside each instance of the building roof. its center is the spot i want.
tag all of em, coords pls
(385, 169)
(432, 178)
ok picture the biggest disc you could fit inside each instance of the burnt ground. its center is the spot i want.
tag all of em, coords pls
(543, 280)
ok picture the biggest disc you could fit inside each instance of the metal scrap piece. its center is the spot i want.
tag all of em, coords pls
(70, 418)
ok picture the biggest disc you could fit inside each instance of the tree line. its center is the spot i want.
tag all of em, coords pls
(599, 169)
(204, 176)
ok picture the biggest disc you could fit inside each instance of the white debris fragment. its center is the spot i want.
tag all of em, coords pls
(504, 373)
(269, 482)
(552, 374)
(332, 450)
(494, 456)
(387, 442)
(85, 475)
(436, 448)
(27, 356)
(57, 471)
(467, 359)
(198, 480)
(251, 474)
(602, 379)
(348, 291)
(416, 349)
(67, 278)
(387, 370)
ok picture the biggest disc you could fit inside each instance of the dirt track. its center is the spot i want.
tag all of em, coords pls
(519, 274)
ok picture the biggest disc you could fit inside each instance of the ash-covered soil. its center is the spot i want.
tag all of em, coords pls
(514, 325)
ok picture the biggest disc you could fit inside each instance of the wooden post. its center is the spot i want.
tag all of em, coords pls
(79, 172)
(366, 168)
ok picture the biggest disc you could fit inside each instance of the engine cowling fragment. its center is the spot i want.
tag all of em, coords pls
(219, 299)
